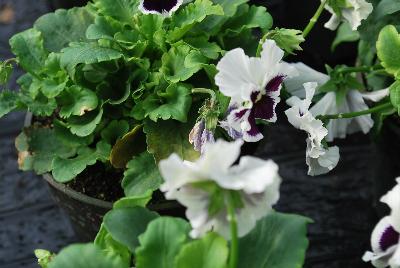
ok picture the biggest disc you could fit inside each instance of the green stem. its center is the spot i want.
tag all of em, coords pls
(355, 114)
(260, 44)
(234, 252)
(206, 91)
(360, 69)
(314, 19)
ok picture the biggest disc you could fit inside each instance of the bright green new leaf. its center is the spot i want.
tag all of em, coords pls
(141, 176)
(395, 95)
(87, 53)
(209, 252)
(345, 34)
(193, 13)
(162, 241)
(29, 49)
(279, 241)
(208, 49)
(44, 257)
(175, 67)
(52, 88)
(287, 39)
(63, 27)
(123, 10)
(126, 224)
(38, 105)
(77, 101)
(250, 18)
(167, 137)
(388, 47)
(83, 126)
(85, 256)
(177, 101)
(8, 102)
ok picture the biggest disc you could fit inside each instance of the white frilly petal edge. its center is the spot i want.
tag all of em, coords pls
(324, 163)
(392, 199)
(377, 95)
(165, 13)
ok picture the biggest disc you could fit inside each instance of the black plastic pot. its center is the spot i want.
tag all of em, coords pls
(387, 162)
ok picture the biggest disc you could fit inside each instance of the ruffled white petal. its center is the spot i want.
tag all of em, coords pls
(165, 13)
(377, 95)
(333, 23)
(392, 199)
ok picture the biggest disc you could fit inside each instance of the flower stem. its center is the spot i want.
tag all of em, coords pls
(233, 257)
(314, 19)
(355, 114)
(206, 91)
(361, 69)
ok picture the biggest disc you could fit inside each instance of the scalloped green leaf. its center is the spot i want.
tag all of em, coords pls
(123, 10)
(8, 102)
(83, 126)
(103, 28)
(6, 70)
(279, 241)
(388, 47)
(185, 18)
(85, 256)
(395, 95)
(115, 130)
(209, 252)
(29, 49)
(86, 53)
(141, 176)
(167, 137)
(126, 224)
(63, 27)
(77, 101)
(162, 241)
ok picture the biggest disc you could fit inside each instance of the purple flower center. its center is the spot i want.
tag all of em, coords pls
(389, 238)
(159, 5)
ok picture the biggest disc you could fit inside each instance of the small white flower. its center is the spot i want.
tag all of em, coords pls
(353, 102)
(385, 239)
(163, 7)
(319, 159)
(256, 181)
(355, 12)
(254, 86)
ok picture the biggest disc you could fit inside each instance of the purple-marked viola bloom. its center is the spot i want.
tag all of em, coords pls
(200, 135)
(160, 7)
(385, 239)
(254, 85)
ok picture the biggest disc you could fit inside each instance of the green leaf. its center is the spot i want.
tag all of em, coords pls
(6, 69)
(185, 18)
(44, 257)
(87, 53)
(123, 10)
(278, 240)
(8, 102)
(66, 169)
(133, 201)
(287, 39)
(395, 95)
(388, 47)
(209, 252)
(250, 18)
(126, 224)
(387, 7)
(38, 147)
(105, 241)
(208, 49)
(83, 126)
(345, 34)
(78, 101)
(28, 47)
(167, 137)
(85, 256)
(131, 144)
(103, 28)
(39, 105)
(115, 130)
(179, 65)
(162, 241)
(141, 176)
(63, 27)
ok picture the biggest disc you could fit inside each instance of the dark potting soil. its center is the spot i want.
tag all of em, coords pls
(99, 182)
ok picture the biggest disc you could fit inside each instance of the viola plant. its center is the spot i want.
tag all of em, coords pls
(229, 207)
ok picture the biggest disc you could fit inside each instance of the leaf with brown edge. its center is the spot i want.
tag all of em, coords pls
(131, 144)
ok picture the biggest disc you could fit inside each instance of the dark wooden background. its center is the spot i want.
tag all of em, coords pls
(339, 203)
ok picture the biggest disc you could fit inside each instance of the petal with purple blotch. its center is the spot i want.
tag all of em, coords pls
(253, 134)
(265, 108)
(275, 83)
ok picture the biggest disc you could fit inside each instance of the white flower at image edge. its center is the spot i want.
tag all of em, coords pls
(254, 85)
(357, 11)
(386, 235)
(353, 102)
(320, 160)
(256, 181)
(160, 7)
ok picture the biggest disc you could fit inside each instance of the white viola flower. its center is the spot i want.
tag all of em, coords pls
(160, 7)
(255, 181)
(320, 160)
(385, 239)
(254, 86)
(354, 12)
(200, 135)
(354, 101)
